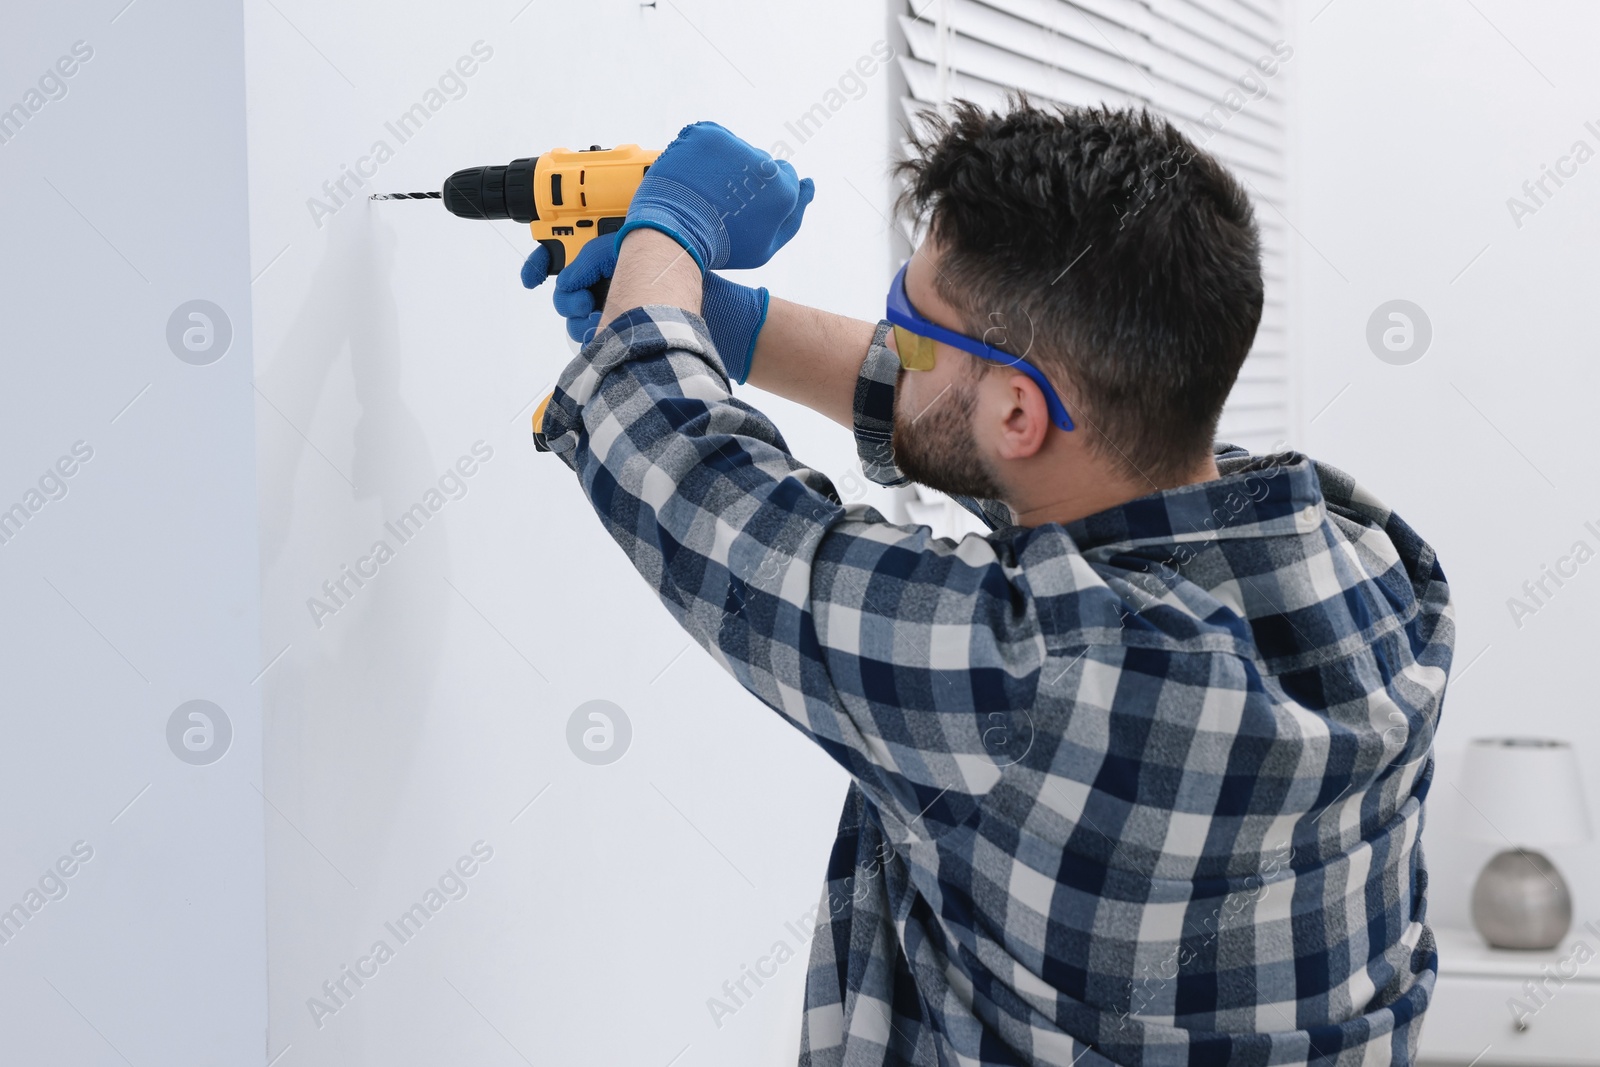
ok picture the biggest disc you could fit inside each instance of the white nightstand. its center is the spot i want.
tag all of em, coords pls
(1471, 1018)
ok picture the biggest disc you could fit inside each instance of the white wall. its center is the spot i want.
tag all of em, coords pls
(427, 713)
(136, 591)
(1416, 123)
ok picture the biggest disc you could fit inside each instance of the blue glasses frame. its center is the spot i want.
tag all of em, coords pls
(903, 315)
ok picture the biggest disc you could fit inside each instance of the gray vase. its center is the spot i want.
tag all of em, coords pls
(1521, 901)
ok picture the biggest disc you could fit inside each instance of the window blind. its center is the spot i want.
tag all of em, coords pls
(1214, 67)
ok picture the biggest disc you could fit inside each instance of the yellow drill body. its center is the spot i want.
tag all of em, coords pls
(580, 196)
(583, 195)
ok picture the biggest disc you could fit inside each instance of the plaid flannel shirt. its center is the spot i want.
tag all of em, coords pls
(1143, 788)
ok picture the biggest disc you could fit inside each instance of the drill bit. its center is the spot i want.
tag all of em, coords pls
(405, 196)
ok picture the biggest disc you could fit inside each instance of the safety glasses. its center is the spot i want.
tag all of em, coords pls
(915, 337)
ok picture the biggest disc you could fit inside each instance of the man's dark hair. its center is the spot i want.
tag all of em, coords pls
(1120, 258)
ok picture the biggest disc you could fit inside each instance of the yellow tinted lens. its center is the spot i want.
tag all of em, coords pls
(916, 352)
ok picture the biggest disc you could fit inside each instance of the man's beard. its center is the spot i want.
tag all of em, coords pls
(935, 447)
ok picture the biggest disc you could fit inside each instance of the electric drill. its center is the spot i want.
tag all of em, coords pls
(566, 197)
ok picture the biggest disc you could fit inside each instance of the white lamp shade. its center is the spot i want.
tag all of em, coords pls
(1528, 791)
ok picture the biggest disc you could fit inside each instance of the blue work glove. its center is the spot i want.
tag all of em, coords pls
(734, 314)
(729, 203)
(536, 268)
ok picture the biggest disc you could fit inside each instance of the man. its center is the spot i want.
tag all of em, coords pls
(1138, 775)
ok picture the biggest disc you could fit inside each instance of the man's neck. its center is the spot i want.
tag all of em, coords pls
(1068, 500)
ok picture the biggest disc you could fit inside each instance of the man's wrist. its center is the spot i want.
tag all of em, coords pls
(649, 240)
(652, 268)
(661, 227)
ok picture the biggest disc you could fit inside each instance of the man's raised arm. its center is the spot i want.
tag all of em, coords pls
(812, 357)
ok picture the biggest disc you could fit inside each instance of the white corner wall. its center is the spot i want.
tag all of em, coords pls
(429, 714)
(131, 867)
(1416, 125)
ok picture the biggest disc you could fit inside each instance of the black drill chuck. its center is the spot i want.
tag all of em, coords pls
(493, 192)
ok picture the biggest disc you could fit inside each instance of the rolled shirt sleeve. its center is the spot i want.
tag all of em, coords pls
(874, 429)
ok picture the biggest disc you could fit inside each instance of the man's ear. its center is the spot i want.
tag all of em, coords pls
(1023, 412)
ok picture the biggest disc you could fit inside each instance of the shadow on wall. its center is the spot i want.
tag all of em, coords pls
(345, 709)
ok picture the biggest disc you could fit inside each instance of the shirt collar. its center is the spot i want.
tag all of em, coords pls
(1256, 496)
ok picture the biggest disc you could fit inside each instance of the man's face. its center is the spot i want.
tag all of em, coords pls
(935, 442)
